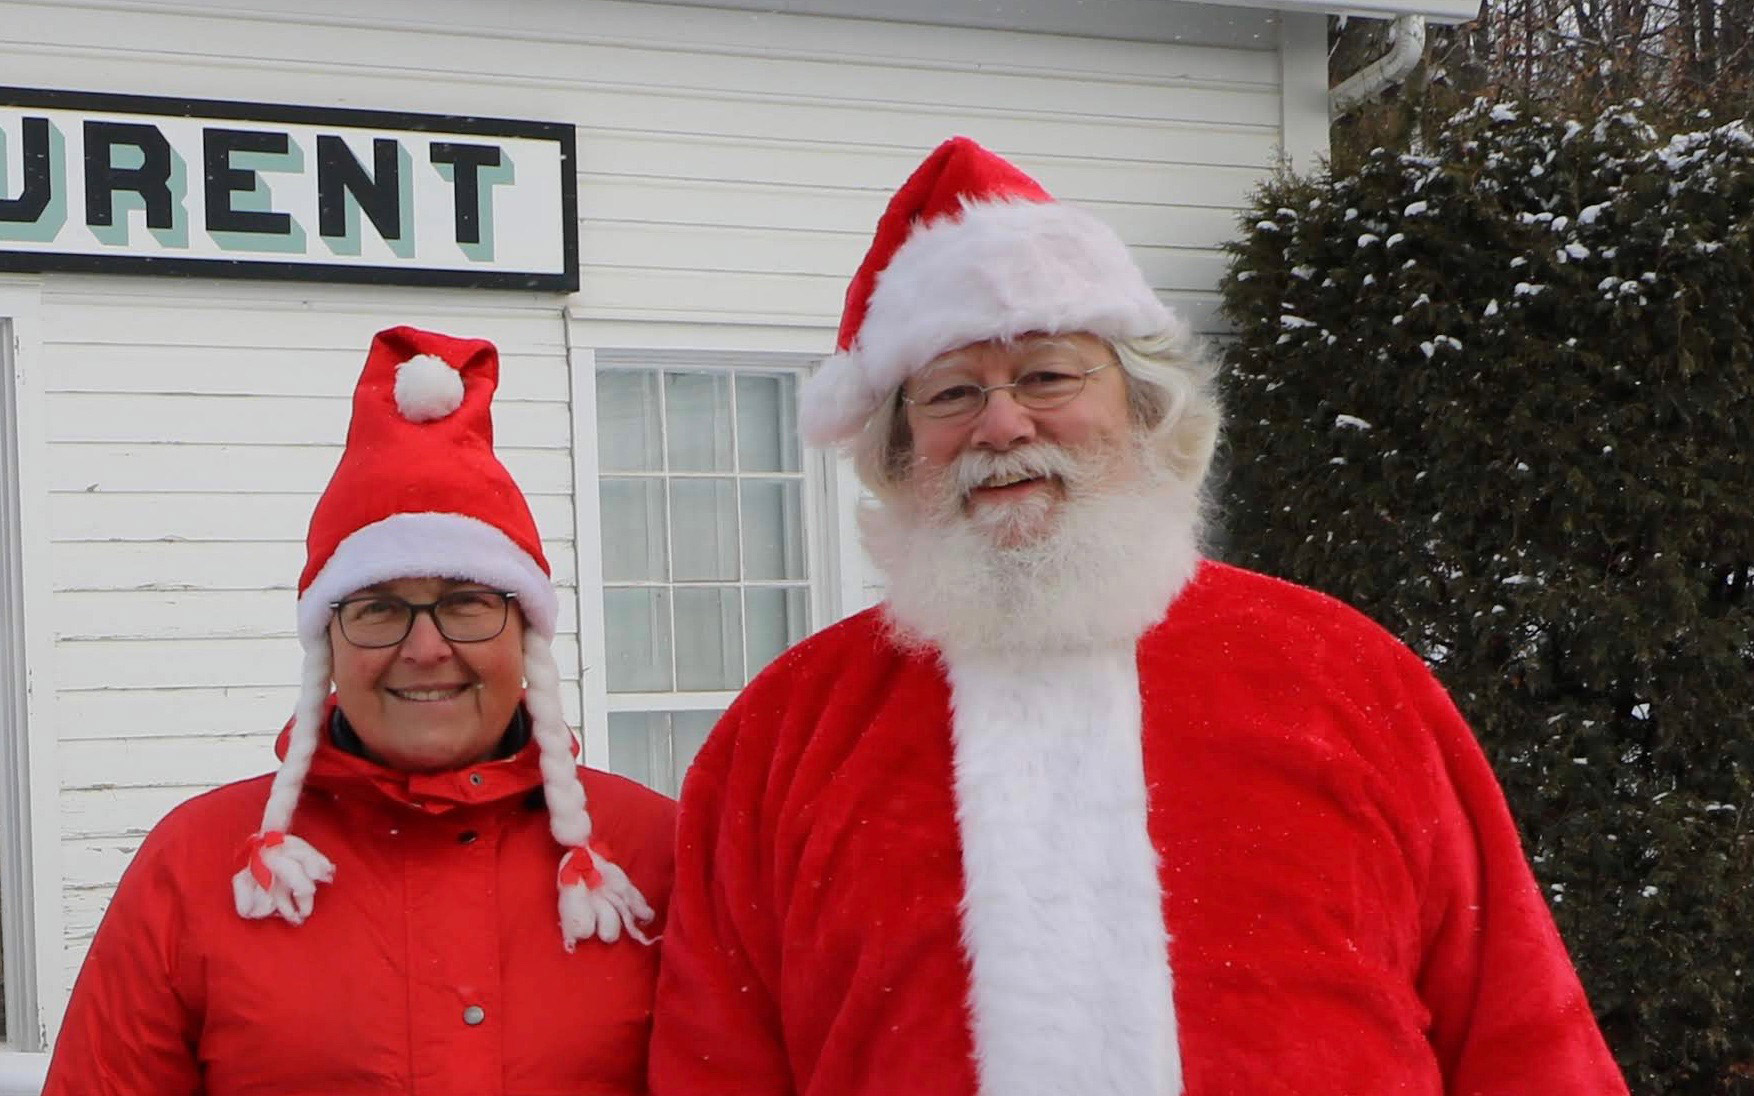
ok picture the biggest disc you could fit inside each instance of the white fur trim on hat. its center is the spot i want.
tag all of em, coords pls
(999, 270)
(426, 545)
(427, 388)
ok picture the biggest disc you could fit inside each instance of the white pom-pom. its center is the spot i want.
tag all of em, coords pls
(427, 388)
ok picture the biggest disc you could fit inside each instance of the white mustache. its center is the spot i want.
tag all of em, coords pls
(1041, 460)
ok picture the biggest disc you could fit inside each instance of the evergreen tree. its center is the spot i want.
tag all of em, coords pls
(1502, 398)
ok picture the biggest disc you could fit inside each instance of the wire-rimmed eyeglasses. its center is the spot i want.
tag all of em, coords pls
(384, 620)
(1037, 390)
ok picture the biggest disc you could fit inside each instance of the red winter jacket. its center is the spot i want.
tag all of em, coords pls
(432, 964)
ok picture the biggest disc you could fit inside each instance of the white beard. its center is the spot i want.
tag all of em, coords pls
(1096, 572)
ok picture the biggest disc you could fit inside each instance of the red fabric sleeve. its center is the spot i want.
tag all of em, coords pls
(717, 1030)
(1508, 1015)
(130, 1029)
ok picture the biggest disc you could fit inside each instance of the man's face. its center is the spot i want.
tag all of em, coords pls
(989, 450)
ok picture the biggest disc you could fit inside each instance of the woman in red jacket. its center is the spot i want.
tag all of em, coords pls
(446, 917)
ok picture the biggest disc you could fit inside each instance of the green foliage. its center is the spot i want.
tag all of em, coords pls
(1501, 397)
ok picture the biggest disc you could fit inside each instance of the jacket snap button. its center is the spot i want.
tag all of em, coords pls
(474, 1014)
(475, 779)
(467, 837)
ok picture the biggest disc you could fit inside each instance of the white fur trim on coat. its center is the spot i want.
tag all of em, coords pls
(1070, 987)
(428, 545)
(999, 270)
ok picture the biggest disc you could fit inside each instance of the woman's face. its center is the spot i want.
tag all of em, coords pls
(429, 704)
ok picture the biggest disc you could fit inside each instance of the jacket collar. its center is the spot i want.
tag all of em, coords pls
(337, 770)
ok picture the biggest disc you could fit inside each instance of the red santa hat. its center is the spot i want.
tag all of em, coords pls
(970, 249)
(419, 493)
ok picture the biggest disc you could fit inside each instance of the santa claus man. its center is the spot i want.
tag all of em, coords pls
(1076, 811)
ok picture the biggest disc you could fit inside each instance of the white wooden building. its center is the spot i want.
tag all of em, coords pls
(166, 434)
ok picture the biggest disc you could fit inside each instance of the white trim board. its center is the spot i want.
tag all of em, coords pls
(1442, 11)
(581, 371)
(37, 982)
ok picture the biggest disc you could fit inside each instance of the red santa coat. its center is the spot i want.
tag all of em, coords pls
(1271, 860)
(432, 964)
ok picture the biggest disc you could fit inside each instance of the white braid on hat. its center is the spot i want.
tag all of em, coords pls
(596, 896)
(282, 871)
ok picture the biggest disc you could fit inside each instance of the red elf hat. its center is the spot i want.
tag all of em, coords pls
(419, 490)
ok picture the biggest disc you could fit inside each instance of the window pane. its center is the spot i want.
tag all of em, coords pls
(639, 746)
(767, 423)
(688, 731)
(633, 530)
(703, 513)
(709, 638)
(777, 616)
(636, 625)
(656, 748)
(628, 437)
(773, 529)
(698, 409)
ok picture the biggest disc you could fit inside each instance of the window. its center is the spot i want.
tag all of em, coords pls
(706, 519)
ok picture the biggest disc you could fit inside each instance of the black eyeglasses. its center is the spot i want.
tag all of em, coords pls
(384, 620)
(1038, 390)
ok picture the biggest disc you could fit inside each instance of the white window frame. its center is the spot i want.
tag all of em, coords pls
(822, 528)
(35, 981)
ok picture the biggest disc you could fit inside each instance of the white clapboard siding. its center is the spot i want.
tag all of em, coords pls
(747, 251)
(683, 296)
(606, 44)
(875, 171)
(145, 762)
(615, 200)
(88, 813)
(100, 466)
(277, 326)
(200, 565)
(316, 372)
(144, 713)
(263, 515)
(232, 420)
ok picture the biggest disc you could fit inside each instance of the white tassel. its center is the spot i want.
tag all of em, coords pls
(597, 899)
(293, 869)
